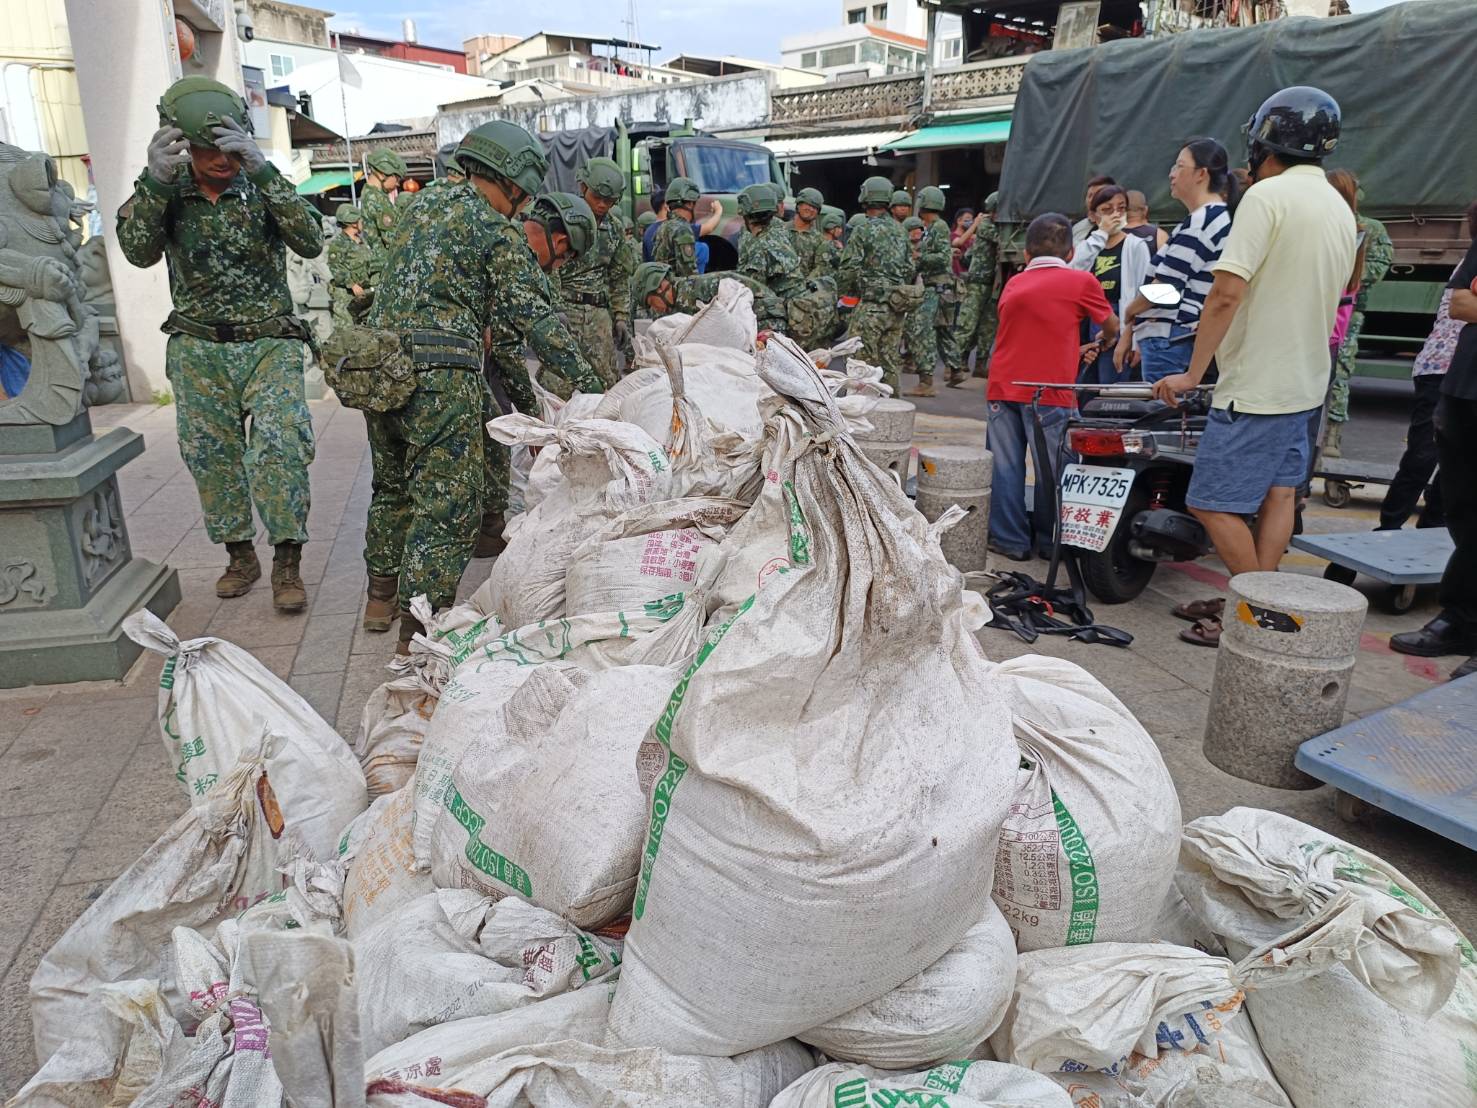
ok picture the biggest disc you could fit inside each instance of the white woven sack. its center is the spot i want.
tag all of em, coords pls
(378, 851)
(722, 382)
(454, 954)
(1397, 1024)
(545, 803)
(1088, 850)
(1084, 1008)
(645, 553)
(828, 780)
(193, 876)
(607, 467)
(214, 701)
(727, 320)
(950, 1085)
(571, 1074)
(944, 1012)
(392, 728)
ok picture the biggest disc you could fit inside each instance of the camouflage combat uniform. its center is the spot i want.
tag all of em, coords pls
(627, 258)
(875, 262)
(691, 293)
(349, 262)
(381, 217)
(462, 269)
(930, 327)
(227, 270)
(977, 303)
(1379, 254)
(594, 292)
(676, 245)
(769, 260)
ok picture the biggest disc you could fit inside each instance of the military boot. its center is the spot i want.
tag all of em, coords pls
(490, 541)
(1331, 440)
(924, 388)
(380, 608)
(241, 572)
(288, 592)
(958, 378)
(409, 628)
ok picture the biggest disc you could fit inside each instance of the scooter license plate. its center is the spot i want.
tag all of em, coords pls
(1092, 503)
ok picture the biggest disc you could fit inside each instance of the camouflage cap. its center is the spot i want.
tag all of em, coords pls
(812, 197)
(387, 162)
(602, 177)
(572, 215)
(683, 190)
(648, 279)
(347, 213)
(198, 105)
(507, 150)
(931, 199)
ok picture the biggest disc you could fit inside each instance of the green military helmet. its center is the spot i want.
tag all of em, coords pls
(454, 166)
(875, 191)
(757, 200)
(387, 162)
(571, 211)
(931, 199)
(198, 105)
(507, 150)
(913, 223)
(683, 190)
(899, 198)
(992, 202)
(812, 197)
(602, 177)
(859, 218)
(648, 279)
(405, 199)
(646, 219)
(346, 214)
(831, 218)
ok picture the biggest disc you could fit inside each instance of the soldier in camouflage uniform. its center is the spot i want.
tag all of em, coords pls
(766, 256)
(980, 295)
(463, 269)
(594, 291)
(900, 205)
(805, 232)
(675, 244)
(931, 334)
(351, 286)
(833, 232)
(627, 258)
(656, 291)
(1379, 255)
(874, 266)
(377, 203)
(221, 216)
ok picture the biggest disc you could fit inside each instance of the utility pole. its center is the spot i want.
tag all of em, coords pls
(344, 70)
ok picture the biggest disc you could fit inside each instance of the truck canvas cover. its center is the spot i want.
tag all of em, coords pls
(1403, 77)
(568, 150)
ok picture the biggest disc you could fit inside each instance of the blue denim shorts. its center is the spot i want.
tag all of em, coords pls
(1242, 456)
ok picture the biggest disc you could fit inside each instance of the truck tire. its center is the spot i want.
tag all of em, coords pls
(1113, 574)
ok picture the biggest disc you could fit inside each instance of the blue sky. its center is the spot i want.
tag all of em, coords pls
(749, 28)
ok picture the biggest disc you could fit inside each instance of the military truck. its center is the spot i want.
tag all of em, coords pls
(652, 154)
(1124, 108)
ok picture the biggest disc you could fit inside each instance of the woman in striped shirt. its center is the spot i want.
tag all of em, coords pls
(1201, 180)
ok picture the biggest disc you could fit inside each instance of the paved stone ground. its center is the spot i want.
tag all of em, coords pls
(85, 785)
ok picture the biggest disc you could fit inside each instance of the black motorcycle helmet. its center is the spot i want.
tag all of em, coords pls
(1301, 121)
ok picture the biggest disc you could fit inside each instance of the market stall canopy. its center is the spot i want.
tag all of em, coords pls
(813, 147)
(971, 132)
(326, 180)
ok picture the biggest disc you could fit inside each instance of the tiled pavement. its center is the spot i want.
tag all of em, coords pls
(85, 785)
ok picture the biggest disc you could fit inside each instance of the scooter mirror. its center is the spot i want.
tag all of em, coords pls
(1161, 295)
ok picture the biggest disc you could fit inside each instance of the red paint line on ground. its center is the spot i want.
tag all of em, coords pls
(1204, 574)
(1424, 668)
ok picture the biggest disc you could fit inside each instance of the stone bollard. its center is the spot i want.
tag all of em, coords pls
(889, 445)
(949, 475)
(1282, 673)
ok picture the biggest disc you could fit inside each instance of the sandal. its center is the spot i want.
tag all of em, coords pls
(1195, 610)
(1203, 632)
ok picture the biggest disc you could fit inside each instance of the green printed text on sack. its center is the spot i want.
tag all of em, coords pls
(482, 856)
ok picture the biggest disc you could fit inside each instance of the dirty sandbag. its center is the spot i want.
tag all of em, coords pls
(455, 954)
(545, 804)
(1088, 851)
(1089, 1007)
(1393, 1025)
(452, 634)
(664, 631)
(708, 459)
(942, 1013)
(852, 653)
(380, 857)
(722, 382)
(727, 320)
(214, 699)
(195, 875)
(647, 552)
(572, 1074)
(960, 1084)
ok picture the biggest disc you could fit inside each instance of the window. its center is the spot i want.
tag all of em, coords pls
(901, 61)
(281, 65)
(872, 51)
(725, 167)
(856, 15)
(879, 13)
(953, 48)
(838, 55)
(807, 60)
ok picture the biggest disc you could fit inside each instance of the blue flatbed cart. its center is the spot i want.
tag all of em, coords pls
(1416, 759)
(1401, 559)
(1341, 476)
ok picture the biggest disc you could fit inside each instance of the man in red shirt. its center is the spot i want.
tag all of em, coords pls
(1038, 339)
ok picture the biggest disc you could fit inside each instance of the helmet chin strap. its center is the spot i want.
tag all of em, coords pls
(1255, 156)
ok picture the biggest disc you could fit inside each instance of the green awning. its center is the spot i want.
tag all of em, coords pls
(973, 133)
(330, 179)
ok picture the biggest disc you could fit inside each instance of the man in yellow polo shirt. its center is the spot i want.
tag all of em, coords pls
(1266, 322)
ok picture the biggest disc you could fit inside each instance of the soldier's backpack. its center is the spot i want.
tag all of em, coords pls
(368, 368)
(904, 298)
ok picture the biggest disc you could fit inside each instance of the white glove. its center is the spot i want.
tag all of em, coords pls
(231, 138)
(168, 151)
